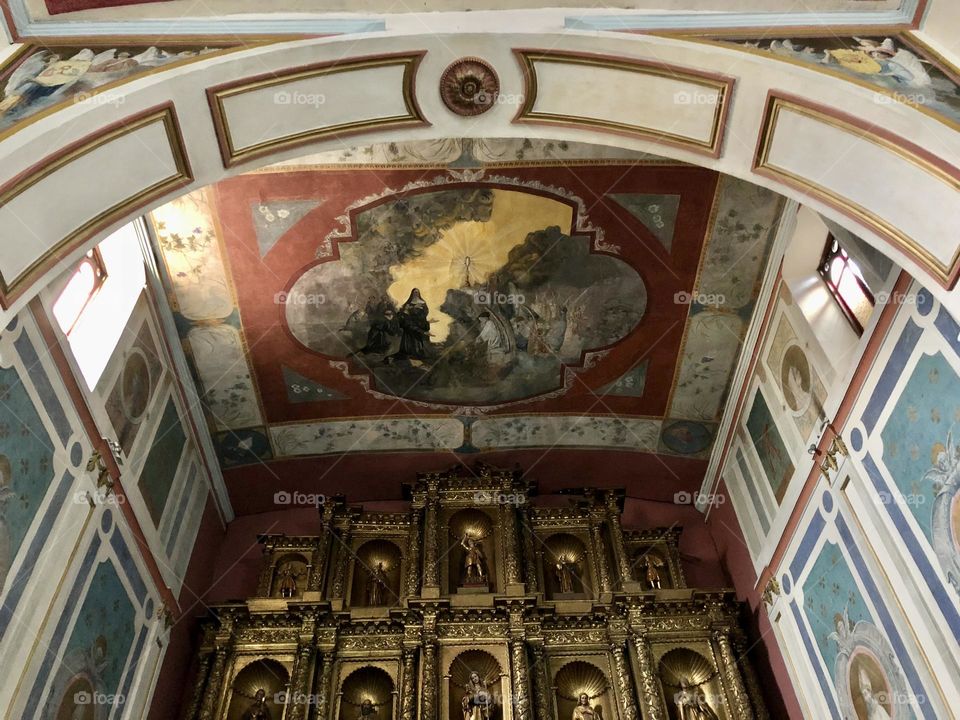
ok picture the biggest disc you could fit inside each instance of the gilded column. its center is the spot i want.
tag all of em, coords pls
(508, 516)
(529, 555)
(616, 533)
(624, 681)
(602, 569)
(431, 565)
(521, 698)
(732, 675)
(212, 691)
(343, 564)
(650, 699)
(321, 554)
(541, 683)
(428, 683)
(266, 577)
(298, 697)
(673, 562)
(196, 696)
(318, 563)
(413, 556)
(322, 688)
(408, 699)
(750, 677)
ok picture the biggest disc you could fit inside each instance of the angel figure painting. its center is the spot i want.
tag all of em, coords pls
(54, 75)
(476, 295)
(891, 64)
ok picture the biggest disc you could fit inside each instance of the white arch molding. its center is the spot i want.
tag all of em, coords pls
(884, 170)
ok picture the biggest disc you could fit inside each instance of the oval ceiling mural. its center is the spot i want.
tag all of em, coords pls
(471, 295)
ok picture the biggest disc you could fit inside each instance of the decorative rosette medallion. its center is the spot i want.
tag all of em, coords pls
(469, 86)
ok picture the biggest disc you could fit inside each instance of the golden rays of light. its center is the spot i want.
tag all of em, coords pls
(469, 252)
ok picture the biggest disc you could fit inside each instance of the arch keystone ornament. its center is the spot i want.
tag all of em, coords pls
(469, 86)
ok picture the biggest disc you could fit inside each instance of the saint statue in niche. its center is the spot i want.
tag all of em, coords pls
(377, 586)
(474, 561)
(692, 703)
(288, 577)
(259, 709)
(477, 701)
(367, 710)
(653, 563)
(583, 711)
(564, 571)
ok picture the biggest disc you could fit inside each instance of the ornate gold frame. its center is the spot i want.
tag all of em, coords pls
(11, 288)
(946, 274)
(720, 83)
(414, 117)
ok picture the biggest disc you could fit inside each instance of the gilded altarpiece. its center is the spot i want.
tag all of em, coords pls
(477, 603)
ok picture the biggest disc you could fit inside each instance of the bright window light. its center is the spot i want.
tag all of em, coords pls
(93, 309)
(845, 280)
(80, 290)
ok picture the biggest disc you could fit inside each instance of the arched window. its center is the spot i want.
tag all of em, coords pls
(93, 308)
(88, 278)
(845, 281)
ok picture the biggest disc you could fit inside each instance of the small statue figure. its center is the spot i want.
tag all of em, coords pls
(259, 709)
(366, 710)
(564, 576)
(653, 562)
(477, 702)
(598, 711)
(692, 703)
(583, 711)
(474, 560)
(288, 581)
(376, 586)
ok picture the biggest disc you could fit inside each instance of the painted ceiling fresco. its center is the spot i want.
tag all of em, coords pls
(39, 78)
(899, 67)
(466, 296)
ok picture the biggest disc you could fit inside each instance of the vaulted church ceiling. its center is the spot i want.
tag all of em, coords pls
(215, 7)
(465, 297)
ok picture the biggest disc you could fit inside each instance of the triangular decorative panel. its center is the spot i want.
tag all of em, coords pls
(302, 389)
(657, 212)
(273, 220)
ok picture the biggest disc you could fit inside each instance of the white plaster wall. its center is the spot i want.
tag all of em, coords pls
(939, 28)
(191, 484)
